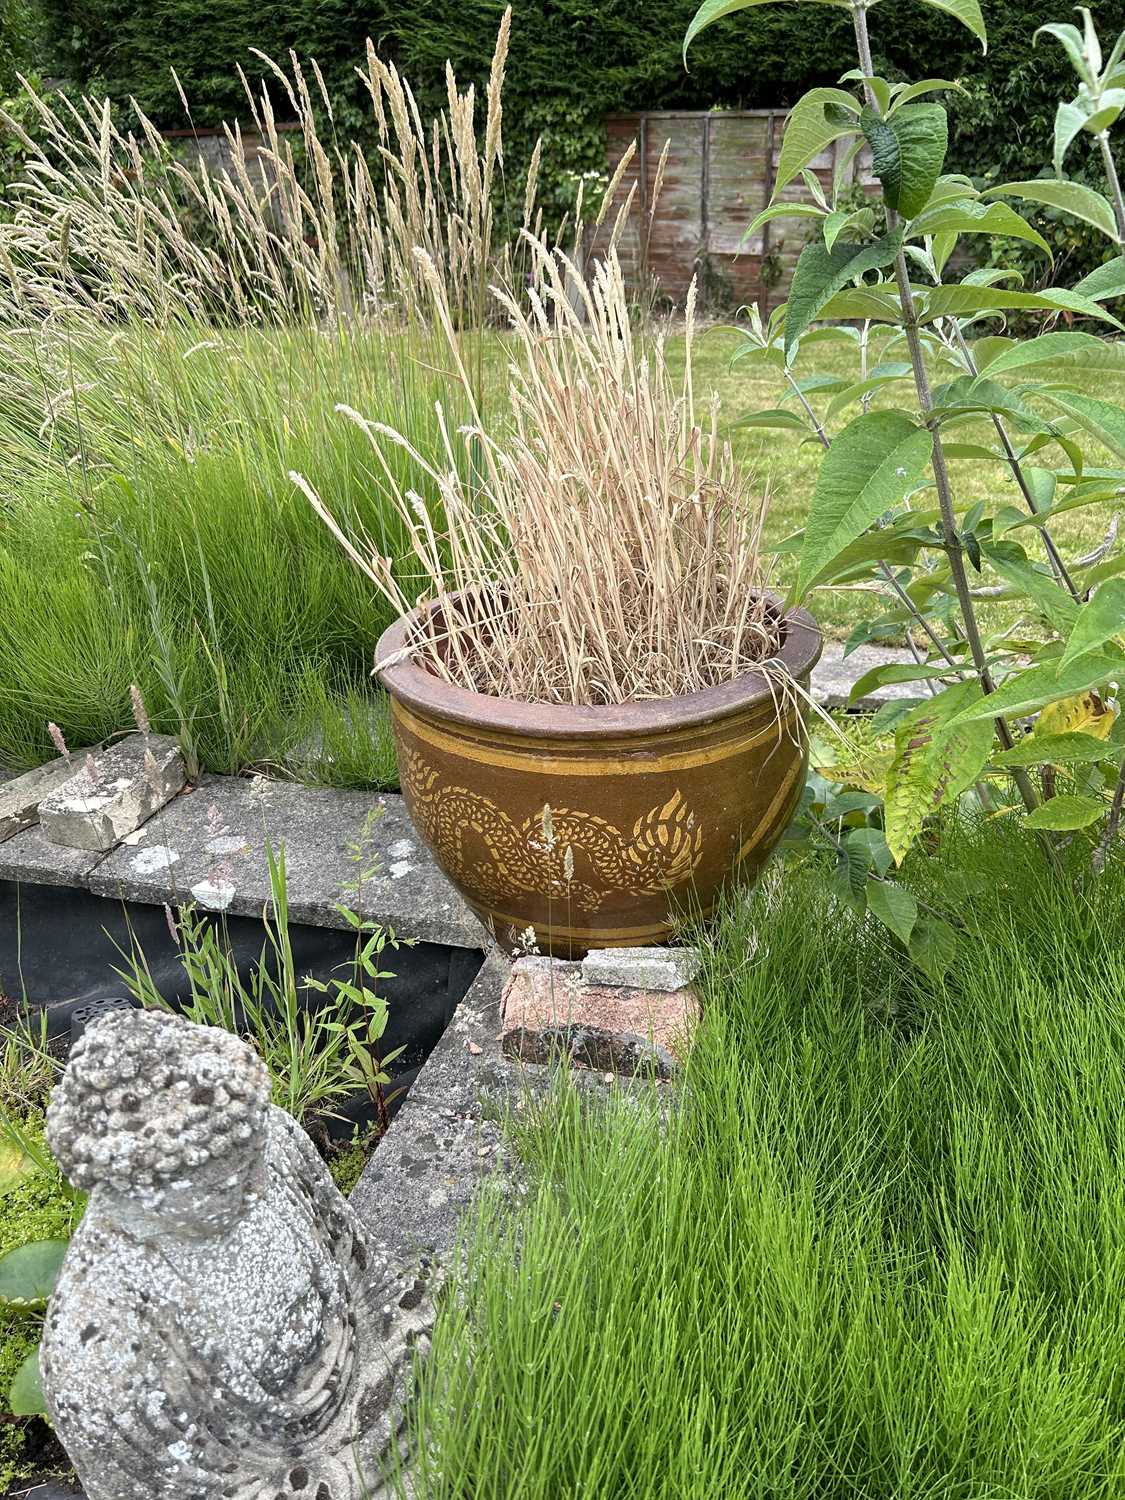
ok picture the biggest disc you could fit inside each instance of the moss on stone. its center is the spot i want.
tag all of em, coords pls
(38, 1207)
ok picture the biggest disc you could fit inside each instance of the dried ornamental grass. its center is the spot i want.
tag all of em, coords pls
(609, 549)
(110, 225)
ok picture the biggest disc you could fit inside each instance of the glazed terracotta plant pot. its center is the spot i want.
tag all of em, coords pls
(659, 802)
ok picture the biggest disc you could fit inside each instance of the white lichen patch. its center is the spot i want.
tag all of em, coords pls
(215, 895)
(400, 868)
(401, 849)
(86, 804)
(159, 857)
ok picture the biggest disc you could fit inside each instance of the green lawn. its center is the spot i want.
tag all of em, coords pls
(787, 468)
(870, 1248)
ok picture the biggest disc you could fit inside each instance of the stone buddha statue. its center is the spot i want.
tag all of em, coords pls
(222, 1327)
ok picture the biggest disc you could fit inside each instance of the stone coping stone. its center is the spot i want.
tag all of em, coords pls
(642, 968)
(20, 795)
(210, 847)
(445, 1144)
(31, 858)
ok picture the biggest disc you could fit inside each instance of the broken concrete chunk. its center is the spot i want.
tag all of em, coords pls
(548, 1009)
(113, 793)
(642, 968)
(20, 797)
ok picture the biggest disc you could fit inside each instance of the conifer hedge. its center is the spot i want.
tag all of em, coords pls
(574, 61)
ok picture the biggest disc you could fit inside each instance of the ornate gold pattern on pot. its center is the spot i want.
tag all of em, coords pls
(662, 851)
(658, 803)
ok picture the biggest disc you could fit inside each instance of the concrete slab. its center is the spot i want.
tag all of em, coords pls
(642, 968)
(31, 859)
(209, 847)
(424, 1175)
(835, 674)
(20, 796)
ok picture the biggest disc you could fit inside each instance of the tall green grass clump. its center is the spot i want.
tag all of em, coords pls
(149, 534)
(874, 1249)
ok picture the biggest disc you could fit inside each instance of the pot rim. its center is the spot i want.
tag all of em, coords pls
(420, 690)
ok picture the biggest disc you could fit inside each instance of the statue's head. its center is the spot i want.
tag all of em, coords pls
(169, 1118)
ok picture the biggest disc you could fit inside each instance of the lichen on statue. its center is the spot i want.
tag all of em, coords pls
(222, 1327)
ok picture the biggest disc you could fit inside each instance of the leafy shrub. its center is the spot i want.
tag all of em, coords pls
(19, 42)
(13, 152)
(872, 515)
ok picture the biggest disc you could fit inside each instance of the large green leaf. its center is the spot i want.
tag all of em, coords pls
(715, 10)
(937, 757)
(889, 544)
(853, 865)
(908, 152)
(1036, 686)
(1072, 197)
(1099, 620)
(933, 947)
(1101, 419)
(1106, 281)
(968, 12)
(903, 93)
(1047, 347)
(956, 301)
(981, 393)
(1110, 105)
(1074, 749)
(894, 906)
(1064, 813)
(25, 1394)
(1069, 120)
(858, 225)
(774, 417)
(880, 304)
(871, 466)
(895, 671)
(28, 1273)
(1053, 602)
(970, 216)
(782, 211)
(822, 272)
(872, 840)
(809, 131)
(1071, 39)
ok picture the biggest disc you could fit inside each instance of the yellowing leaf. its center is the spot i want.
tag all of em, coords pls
(14, 1166)
(854, 760)
(936, 759)
(1086, 713)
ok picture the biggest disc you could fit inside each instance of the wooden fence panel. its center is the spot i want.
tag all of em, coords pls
(719, 174)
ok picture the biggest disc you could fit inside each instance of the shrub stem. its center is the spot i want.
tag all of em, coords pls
(1115, 192)
(952, 542)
